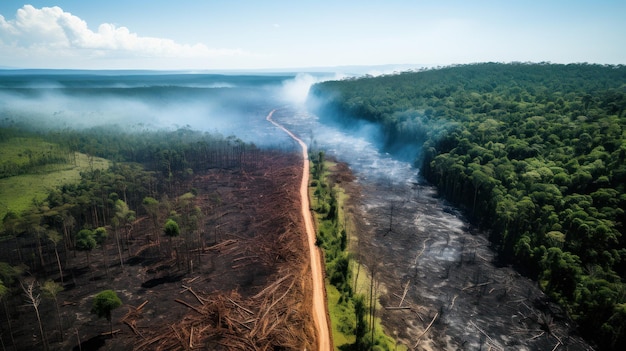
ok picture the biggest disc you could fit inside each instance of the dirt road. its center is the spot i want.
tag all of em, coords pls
(319, 300)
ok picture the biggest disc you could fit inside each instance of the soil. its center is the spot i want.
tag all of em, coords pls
(247, 287)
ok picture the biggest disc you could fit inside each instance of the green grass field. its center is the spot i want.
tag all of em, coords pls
(17, 150)
(22, 155)
(17, 193)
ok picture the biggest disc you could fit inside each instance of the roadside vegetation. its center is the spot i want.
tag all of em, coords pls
(352, 297)
(534, 153)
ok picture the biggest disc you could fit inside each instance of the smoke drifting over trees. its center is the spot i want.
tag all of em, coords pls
(139, 101)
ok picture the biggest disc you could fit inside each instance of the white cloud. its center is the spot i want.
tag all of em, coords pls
(52, 32)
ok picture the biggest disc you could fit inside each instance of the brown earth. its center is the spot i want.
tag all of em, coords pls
(319, 309)
(247, 287)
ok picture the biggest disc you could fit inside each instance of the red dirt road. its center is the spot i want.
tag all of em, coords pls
(319, 300)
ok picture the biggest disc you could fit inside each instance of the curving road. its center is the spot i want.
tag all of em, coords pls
(319, 299)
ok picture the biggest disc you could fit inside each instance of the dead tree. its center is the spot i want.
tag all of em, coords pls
(33, 299)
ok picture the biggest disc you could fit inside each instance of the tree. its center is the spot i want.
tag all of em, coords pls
(171, 229)
(104, 303)
(100, 234)
(561, 273)
(33, 299)
(151, 205)
(85, 242)
(50, 290)
(124, 217)
(56, 238)
(4, 291)
(361, 342)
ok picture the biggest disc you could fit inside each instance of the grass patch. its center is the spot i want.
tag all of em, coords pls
(17, 193)
(327, 202)
(342, 319)
(21, 150)
(30, 155)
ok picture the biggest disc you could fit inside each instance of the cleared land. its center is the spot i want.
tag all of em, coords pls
(249, 286)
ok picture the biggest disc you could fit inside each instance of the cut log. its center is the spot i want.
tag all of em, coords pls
(426, 330)
(392, 308)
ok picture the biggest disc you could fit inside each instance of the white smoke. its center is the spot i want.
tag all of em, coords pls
(296, 91)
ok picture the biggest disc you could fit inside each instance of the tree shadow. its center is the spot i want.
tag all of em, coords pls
(92, 344)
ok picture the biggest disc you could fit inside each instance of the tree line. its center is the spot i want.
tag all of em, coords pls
(23, 154)
(535, 153)
(354, 313)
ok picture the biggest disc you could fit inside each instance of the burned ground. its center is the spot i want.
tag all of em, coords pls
(437, 280)
(245, 286)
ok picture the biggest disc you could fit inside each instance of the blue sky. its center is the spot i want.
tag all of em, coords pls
(245, 34)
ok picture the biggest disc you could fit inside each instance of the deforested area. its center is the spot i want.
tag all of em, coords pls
(186, 240)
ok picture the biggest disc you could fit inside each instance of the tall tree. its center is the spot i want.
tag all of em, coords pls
(101, 235)
(56, 238)
(125, 218)
(171, 230)
(361, 341)
(4, 291)
(103, 305)
(151, 205)
(85, 242)
(50, 290)
(33, 299)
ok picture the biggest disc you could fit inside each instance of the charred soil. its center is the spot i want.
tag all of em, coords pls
(436, 277)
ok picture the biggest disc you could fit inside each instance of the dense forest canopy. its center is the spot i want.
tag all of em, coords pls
(533, 152)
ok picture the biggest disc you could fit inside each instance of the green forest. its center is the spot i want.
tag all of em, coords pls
(533, 153)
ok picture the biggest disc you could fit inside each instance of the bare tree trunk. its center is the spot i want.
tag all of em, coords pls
(80, 346)
(119, 250)
(60, 321)
(106, 261)
(372, 305)
(40, 252)
(6, 311)
(35, 300)
(56, 253)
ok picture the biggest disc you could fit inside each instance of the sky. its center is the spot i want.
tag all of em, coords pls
(247, 34)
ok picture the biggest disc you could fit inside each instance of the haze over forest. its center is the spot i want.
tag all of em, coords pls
(467, 164)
